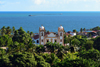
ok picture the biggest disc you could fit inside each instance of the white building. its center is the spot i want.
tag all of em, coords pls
(45, 37)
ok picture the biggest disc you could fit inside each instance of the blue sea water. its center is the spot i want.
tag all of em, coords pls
(50, 20)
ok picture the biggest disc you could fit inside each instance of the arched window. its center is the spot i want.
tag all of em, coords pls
(42, 40)
(55, 40)
(37, 41)
(42, 34)
(60, 34)
(47, 40)
(60, 40)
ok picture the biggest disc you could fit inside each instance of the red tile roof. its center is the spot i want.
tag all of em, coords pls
(36, 37)
(68, 34)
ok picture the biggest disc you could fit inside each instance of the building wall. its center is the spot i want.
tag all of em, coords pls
(35, 40)
(52, 38)
(51, 35)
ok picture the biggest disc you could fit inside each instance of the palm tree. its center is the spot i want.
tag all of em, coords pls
(13, 30)
(3, 30)
(60, 52)
(81, 30)
(0, 31)
(40, 48)
(8, 30)
(31, 34)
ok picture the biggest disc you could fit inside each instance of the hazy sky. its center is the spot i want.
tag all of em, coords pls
(49, 5)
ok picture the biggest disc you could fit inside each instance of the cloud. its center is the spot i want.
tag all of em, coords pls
(2, 2)
(38, 2)
(17, 2)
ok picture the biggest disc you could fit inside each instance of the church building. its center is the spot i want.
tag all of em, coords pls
(43, 37)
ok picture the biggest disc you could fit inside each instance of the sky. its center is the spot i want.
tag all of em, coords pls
(49, 5)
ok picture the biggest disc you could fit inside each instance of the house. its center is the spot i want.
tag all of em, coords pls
(71, 33)
(35, 38)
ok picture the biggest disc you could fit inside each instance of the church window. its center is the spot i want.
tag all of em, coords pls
(41, 34)
(37, 41)
(47, 40)
(60, 40)
(55, 40)
(60, 34)
(42, 40)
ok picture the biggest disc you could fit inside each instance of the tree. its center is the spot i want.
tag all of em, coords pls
(74, 31)
(13, 30)
(41, 61)
(5, 40)
(31, 34)
(2, 52)
(96, 44)
(8, 30)
(52, 46)
(51, 58)
(84, 29)
(78, 62)
(66, 39)
(90, 54)
(0, 31)
(5, 61)
(96, 28)
(75, 42)
(15, 37)
(3, 30)
(61, 52)
(40, 48)
(82, 41)
(81, 30)
(25, 59)
(89, 45)
(98, 33)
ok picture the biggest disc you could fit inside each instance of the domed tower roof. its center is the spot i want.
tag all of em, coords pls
(42, 28)
(60, 28)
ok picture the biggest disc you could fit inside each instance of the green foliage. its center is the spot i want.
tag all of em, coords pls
(5, 61)
(75, 42)
(84, 29)
(51, 58)
(82, 41)
(89, 45)
(23, 60)
(22, 52)
(74, 31)
(90, 54)
(41, 61)
(98, 33)
(39, 58)
(5, 41)
(96, 28)
(52, 46)
(2, 52)
(81, 30)
(66, 39)
(97, 43)
(43, 64)
(40, 48)
(78, 62)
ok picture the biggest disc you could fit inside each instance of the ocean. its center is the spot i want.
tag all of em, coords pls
(50, 20)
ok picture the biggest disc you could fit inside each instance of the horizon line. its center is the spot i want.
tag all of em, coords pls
(49, 11)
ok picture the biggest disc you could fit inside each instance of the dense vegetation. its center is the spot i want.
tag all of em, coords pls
(21, 52)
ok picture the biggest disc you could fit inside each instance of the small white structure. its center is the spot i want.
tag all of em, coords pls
(73, 33)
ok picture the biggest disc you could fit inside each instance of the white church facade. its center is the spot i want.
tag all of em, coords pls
(43, 37)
